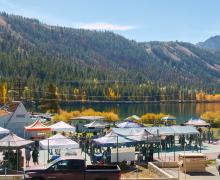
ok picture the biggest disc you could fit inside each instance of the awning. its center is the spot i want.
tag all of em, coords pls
(168, 118)
(37, 126)
(197, 123)
(165, 131)
(13, 141)
(96, 124)
(89, 118)
(4, 131)
(136, 134)
(59, 141)
(112, 139)
(128, 124)
(133, 118)
(143, 136)
(62, 126)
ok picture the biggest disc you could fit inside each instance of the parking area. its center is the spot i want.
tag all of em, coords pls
(210, 174)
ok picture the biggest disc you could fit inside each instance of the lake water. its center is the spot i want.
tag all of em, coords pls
(182, 111)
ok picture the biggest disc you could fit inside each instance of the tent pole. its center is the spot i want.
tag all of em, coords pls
(117, 149)
(48, 150)
(85, 150)
(147, 151)
(174, 152)
(159, 145)
(17, 159)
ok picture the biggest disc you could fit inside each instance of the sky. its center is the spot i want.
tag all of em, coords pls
(141, 20)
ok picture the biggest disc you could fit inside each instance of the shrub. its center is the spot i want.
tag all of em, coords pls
(212, 117)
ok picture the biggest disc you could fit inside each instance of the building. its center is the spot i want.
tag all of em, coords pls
(15, 120)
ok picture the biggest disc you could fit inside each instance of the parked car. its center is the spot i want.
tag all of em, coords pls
(68, 168)
(218, 163)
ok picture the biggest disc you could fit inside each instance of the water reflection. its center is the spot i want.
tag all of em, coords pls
(183, 112)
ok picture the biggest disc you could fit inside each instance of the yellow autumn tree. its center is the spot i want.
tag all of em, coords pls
(66, 116)
(152, 118)
(76, 93)
(3, 93)
(212, 117)
(112, 94)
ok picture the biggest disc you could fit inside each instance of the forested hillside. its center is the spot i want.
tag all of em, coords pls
(92, 65)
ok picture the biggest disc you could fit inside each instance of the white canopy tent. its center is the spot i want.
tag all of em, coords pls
(4, 131)
(59, 141)
(128, 124)
(62, 126)
(96, 124)
(12, 141)
(111, 139)
(133, 118)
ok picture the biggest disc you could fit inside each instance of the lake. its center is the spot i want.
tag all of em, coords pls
(182, 111)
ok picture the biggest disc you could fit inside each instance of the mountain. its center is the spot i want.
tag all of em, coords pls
(211, 43)
(99, 64)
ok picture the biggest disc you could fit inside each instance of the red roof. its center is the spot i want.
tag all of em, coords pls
(37, 126)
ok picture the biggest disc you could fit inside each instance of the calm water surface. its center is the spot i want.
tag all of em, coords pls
(183, 112)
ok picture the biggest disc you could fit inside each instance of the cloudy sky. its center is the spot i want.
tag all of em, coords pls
(140, 20)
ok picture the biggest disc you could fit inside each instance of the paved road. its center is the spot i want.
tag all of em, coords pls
(211, 151)
(210, 174)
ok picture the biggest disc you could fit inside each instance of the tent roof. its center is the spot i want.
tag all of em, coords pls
(58, 141)
(62, 126)
(136, 134)
(143, 135)
(37, 126)
(13, 141)
(184, 130)
(4, 112)
(197, 122)
(133, 117)
(168, 118)
(4, 131)
(128, 124)
(90, 118)
(96, 124)
(111, 139)
(166, 130)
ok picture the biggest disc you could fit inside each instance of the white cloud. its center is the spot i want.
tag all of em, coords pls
(105, 26)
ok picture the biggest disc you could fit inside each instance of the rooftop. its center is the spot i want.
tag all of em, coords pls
(4, 113)
(91, 118)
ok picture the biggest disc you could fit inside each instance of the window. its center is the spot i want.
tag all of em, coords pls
(69, 165)
(62, 165)
(77, 164)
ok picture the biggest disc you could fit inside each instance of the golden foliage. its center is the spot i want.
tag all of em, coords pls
(212, 117)
(201, 96)
(113, 95)
(3, 93)
(65, 116)
(152, 118)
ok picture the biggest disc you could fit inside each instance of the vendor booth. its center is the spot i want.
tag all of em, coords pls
(62, 127)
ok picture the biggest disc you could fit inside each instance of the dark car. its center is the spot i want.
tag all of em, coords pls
(67, 168)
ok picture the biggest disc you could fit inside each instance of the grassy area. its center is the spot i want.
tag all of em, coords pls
(210, 161)
(139, 172)
(216, 132)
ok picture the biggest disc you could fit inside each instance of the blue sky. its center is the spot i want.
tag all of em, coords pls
(141, 20)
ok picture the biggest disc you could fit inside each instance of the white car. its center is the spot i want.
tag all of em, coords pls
(218, 163)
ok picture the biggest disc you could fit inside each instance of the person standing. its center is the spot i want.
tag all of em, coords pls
(27, 155)
(35, 156)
